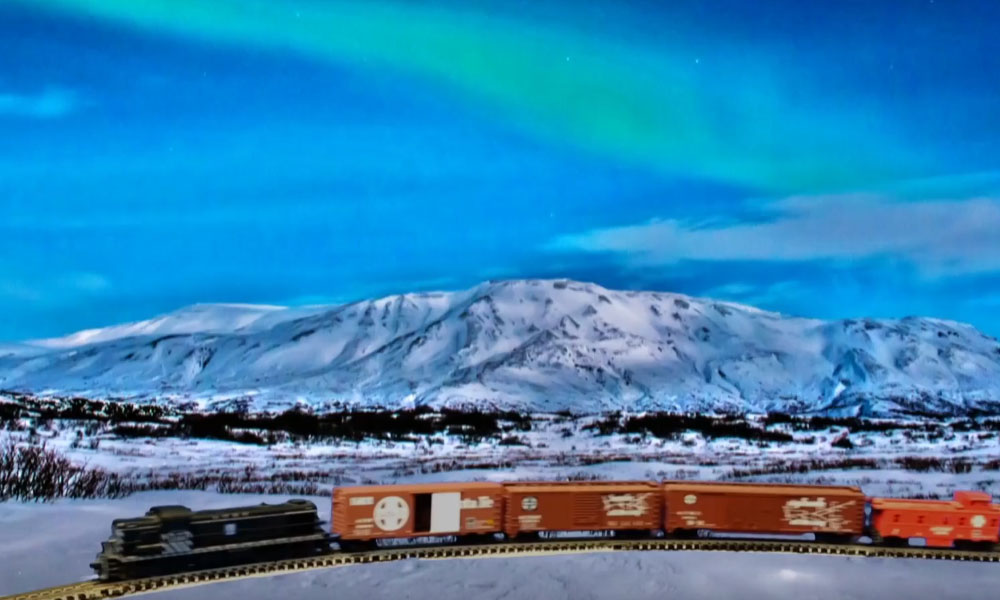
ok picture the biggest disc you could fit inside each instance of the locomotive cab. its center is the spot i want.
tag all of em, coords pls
(173, 538)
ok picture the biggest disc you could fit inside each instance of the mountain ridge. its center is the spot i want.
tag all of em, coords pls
(534, 345)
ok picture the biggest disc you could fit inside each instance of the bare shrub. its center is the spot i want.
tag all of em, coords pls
(39, 473)
(924, 464)
(802, 466)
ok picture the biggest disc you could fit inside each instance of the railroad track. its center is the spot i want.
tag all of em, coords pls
(94, 590)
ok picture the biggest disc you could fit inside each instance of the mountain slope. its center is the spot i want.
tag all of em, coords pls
(528, 344)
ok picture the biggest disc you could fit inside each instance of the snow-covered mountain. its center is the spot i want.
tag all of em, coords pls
(200, 318)
(540, 345)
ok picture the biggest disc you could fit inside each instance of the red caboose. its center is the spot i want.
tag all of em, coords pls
(970, 517)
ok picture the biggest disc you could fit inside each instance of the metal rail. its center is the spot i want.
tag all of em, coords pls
(94, 590)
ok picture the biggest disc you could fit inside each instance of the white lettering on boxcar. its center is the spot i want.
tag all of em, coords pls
(480, 502)
(529, 521)
(362, 501)
(806, 512)
(625, 505)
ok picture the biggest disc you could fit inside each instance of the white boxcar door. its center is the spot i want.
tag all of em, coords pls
(445, 508)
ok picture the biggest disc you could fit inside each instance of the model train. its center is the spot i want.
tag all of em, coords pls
(173, 539)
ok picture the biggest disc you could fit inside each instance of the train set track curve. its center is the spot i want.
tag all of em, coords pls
(94, 590)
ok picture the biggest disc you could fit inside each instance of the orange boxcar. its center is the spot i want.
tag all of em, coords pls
(970, 517)
(764, 508)
(582, 506)
(396, 511)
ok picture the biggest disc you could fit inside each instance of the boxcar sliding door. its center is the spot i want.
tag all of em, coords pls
(437, 514)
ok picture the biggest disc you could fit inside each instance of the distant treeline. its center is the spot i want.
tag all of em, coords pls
(131, 420)
(128, 419)
(670, 426)
(405, 425)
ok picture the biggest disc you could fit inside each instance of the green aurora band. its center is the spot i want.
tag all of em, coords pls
(732, 118)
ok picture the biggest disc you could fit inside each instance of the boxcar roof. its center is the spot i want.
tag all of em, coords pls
(582, 486)
(421, 488)
(760, 488)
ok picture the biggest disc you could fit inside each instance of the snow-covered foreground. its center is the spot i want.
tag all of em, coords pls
(628, 576)
(43, 545)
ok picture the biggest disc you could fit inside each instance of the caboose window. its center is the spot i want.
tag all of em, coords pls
(230, 529)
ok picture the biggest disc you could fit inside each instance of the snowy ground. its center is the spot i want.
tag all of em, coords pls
(43, 545)
(629, 576)
(883, 463)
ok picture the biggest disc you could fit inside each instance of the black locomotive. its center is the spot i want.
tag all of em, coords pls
(170, 539)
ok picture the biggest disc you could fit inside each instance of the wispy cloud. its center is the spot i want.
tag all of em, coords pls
(51, 103)
(768, 296)
(19, 291)
(731, 289)
(52, 290)
(991, 301)
(940, 238)
(84, 282)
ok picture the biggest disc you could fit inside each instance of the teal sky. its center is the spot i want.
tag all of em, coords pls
(829, 160)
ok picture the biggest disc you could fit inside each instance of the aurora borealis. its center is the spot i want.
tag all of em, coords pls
(831, 161)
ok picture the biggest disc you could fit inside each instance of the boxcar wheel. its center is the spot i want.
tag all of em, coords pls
(974, 546)
(834, 538)
(875, 537)
(474, 538)
(357, 545)
(633, 534)
(893, 541)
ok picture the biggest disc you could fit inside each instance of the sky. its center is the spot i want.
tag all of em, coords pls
(832, 160)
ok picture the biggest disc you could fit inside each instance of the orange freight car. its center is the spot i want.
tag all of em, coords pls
(582, 506)
(428, 509)
(970, 517)
(832, 512)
